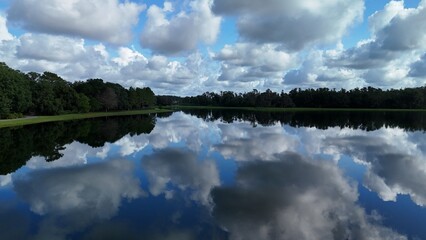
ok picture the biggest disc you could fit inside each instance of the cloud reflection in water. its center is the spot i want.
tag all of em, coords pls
(294, 198)
(76, 197)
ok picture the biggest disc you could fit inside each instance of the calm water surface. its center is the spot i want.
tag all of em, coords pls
(216, 175)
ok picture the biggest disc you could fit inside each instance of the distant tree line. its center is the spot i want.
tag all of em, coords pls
(367, 97)
(49, 94)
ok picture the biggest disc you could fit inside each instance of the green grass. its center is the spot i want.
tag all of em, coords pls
(68, 117)
(270, 109)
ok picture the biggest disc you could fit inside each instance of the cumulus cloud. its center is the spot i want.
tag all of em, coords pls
(181, 169)
(402, 31)
(183, 31)
(51, 48)
(4, 32)
(77, 196)
(159, 72)
(167, 76)
(313, 72)
(418, 68)
(71, 58)
(261, 64)
(383, 60)
(127, 56)
(396, 40)
(76, 59)
(294, 198)
(392, 75)
(78, 18)
(294, 24)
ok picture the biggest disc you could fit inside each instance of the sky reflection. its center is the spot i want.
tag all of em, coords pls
(169, 183)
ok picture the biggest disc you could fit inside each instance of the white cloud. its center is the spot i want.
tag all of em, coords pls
(380, 19)
(104, 20)
(396, 40)
(4, 32)
(183, 31)
(383, 60)
(392, 75)
(158, 72)
(418, 68)
(75, 59)
(314, 73)
(127, 55)
(294, 24)
(167, 76)
(50, 48)
(261, 64)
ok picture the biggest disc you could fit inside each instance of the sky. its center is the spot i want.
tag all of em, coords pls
(189, 47)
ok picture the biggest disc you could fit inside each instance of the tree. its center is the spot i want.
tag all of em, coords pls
(108, 98)
(5, 104)
(15, 91)
(54, 95)
(83, 103)
(148, 97)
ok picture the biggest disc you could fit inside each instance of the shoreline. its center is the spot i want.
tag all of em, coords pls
(75, 116)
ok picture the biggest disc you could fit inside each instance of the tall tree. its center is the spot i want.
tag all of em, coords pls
(109, 99)
(15, 91)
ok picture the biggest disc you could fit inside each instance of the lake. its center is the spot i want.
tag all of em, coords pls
(221, 174)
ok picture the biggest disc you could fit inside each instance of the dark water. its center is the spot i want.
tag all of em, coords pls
(217, 175)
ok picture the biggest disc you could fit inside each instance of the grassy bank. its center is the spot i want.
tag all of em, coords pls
(269, 109)
(68, 117)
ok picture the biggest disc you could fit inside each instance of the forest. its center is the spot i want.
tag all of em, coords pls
(367, 97)
(48, 94)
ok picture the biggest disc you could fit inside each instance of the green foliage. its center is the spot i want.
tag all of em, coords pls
(49, 94)
(409, 98)
(249, 99)
(15, 91)
(141, 98)
(83, 103)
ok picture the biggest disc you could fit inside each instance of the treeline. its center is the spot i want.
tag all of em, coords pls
(368, 97)
(49, 94)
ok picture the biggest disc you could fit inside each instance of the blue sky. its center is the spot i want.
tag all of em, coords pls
(192, 46)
